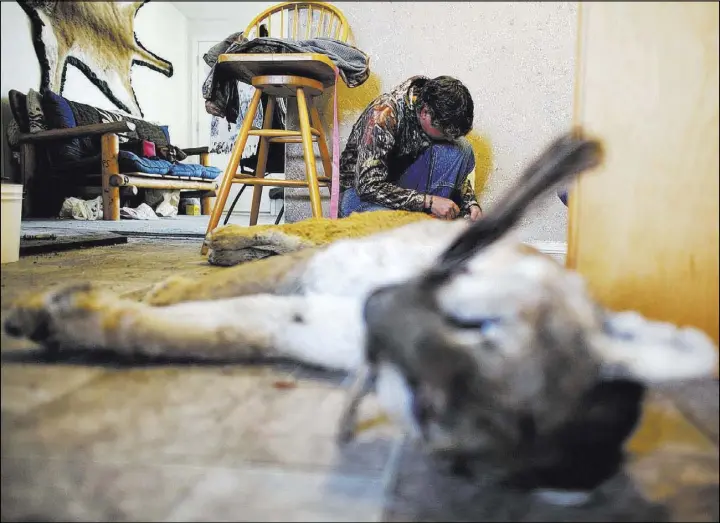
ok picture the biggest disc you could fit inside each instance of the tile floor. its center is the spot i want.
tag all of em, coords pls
(94, 440)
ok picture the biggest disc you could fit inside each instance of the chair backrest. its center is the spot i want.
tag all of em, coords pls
(297, 20)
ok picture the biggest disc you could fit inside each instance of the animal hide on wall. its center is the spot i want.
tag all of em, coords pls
(96, 37)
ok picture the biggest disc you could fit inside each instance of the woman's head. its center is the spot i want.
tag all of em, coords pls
(446, 108)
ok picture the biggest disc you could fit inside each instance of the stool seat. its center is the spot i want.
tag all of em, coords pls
(309, 65)
(284, 85)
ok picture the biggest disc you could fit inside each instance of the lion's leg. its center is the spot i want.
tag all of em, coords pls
(274, 275)
(297, 327)
(363, 384)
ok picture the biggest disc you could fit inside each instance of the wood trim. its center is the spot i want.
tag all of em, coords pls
(308, 154)
(271, 182)
(192, 151)
(77, 132)
(125, 180)
(261, 163)
(280, 133)
(297, 6)
(110, 146)
(28, 165)
(574, 188)
(313, 65)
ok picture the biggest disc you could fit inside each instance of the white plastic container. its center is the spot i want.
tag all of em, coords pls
(11, 205)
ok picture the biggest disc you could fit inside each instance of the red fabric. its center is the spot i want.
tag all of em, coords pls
(148, 149)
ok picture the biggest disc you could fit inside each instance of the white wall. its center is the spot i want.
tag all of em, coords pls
(208, 26)
(160, 27)
(516, 58)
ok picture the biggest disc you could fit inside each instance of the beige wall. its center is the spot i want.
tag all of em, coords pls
(517, 59)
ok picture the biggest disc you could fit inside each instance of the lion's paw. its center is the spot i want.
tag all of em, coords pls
(46, 317)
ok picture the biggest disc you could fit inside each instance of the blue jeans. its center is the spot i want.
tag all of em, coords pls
(440, 170)
(563, 195)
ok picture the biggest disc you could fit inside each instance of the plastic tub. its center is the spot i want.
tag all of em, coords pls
(11, 205)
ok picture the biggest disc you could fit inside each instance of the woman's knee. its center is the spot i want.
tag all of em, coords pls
(563, 195)
(460, 150)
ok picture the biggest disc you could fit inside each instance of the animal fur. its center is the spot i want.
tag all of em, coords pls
(485, 349)
(96, 37)
(233, 244)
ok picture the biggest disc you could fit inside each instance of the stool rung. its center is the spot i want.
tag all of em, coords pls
(290, 139)
(252, 180)
(277, 133)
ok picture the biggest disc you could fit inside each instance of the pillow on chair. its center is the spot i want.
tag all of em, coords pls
(36, 115)
(59, 115)
(18, 107)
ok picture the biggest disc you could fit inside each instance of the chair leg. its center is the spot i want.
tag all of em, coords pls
(109, 148)
(231, 169)
(263, 150)
(27, 172)
(322, 139)
(309, 154)
(207, 204)
(208, 199)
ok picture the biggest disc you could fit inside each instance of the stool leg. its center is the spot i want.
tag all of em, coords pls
(231, 169)
(322, 139)
(262, 161)
(309, 154)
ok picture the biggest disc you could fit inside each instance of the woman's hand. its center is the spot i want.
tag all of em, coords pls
(444, 208)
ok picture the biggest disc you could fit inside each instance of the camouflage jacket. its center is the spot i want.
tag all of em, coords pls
(383, 143)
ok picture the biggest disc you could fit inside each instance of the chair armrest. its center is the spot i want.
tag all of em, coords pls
(77, 132)
(192, 151)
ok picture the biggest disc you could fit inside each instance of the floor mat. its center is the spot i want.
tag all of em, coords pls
(41, 243)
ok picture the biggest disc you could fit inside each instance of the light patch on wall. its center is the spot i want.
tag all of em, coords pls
(482, 148)
(353, 101)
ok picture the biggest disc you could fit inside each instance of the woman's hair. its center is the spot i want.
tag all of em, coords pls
(450, 105)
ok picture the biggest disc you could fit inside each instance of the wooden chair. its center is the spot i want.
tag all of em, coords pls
(301, 76)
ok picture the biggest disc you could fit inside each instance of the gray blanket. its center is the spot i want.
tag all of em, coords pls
(220, 92)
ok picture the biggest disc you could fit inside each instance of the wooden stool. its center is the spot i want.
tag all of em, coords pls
(295, 76)
(293, 87)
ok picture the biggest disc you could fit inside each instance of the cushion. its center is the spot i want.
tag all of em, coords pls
(210, 172)
(131, 162)
(142, 148)
(87, 114)
(171, 153)
(148, 131)
(59, 115)
(18, 107)
(166, 132)
(194, 170)
(36, 116)
(83, 114)
(13, 135)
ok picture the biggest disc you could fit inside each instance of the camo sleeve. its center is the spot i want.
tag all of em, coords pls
(467, 195)
(371, 173)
